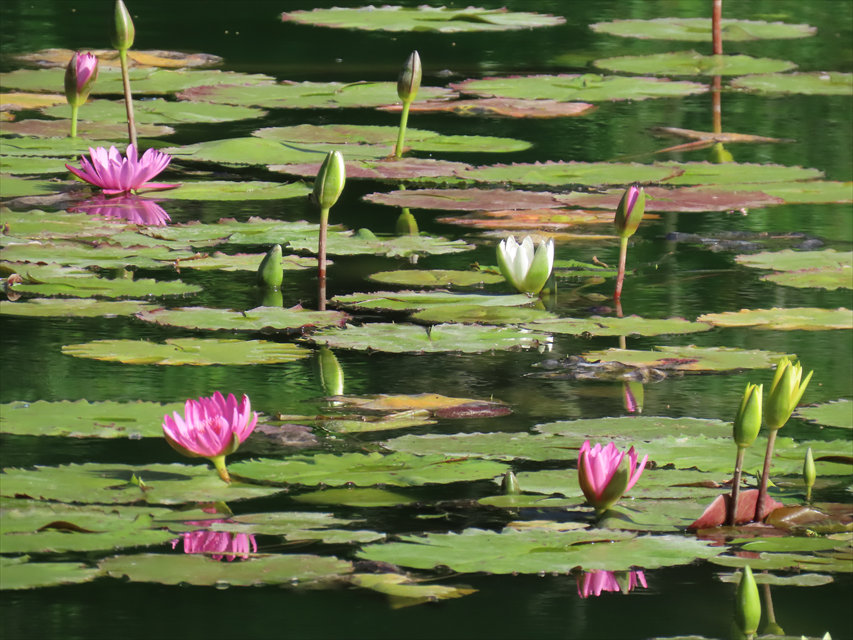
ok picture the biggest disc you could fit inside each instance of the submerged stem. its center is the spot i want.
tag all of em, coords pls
(401, 135)
(128, 98)
(765, 475)
(623, 256)
(731, 513)
(321, 260)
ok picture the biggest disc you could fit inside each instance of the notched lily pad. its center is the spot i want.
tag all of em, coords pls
(830, 83)
(404, 591)
(476, 314)
(629, 325)
(468, 199)
(838, 413)
(805, 318)
(568, 173)
(74, 308)
(264, 319)
(417, 300)
(18, 573)
(690, 358)
(699, 29)
(826, 269)
(691, 63)
(420, 169)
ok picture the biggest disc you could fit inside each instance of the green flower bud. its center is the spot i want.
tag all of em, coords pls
(406, 224)
(124, 29)
(80, 75)
(630, 211)
(330, 180)
(747, 603)
(271, 272)
(410, 78)
(509, 484)
(748, 419)
(330, 372)
(809, 472)
(785, 393)
(719, 154)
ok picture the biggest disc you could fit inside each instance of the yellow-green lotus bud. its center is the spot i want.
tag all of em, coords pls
(271, 272)
(272, 297)
(785, 393)
(406, 224)
(809, 472)
(509, 484)
(748, 419)
(747, 603)
(124, 29)
(719, 154)
(525, 269)
(330, 180)
(410, 78)
(330, 372)
(630, 211)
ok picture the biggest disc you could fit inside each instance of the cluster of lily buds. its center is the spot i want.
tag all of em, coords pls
(786, 390)
(80, 75)
(526, 269)
(594, 583)
(606, 473)
(748, 419)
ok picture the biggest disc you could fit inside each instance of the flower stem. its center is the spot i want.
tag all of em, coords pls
(623, 256)
(765, 475)
(128, 98)
(401, 135)
(219, 463)
(321, 260)
(74, 108)
(731, 514)
(716, 27)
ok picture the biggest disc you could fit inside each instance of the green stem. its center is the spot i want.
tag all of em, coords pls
(321, 260)
(401, 135)
(74, 109)
(128, 98)
(219, 463)
(623, 256)
(765, 475)
(731, 513)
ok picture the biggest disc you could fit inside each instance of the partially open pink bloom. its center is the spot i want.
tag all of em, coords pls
(80, 75)
(593, 583)
(131, 208)
(108, 170)
(220, 544)
(211, 428)
(605, 474)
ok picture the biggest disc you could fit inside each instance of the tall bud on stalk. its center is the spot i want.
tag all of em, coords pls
(271, 272)
(407, 89)
(124, 32)
(629, 213)
(327, 189)
(745, 429)
(809, 473)
(330, 372)
(80, 75)
(747, 603)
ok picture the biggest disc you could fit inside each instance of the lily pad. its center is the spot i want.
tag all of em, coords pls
(690, 358)
(476, 314)
(635, 427)
(23, 165)
(838, 413)
(195, 569)
(468, 199)
(192, 351)
(404, 591)
(691, 63)
(264, 319)
(699, 29)
(83, 419)
(567, 173)
(86, 287)
(797, 192)
(381, 169)
(701, 173)
(155, 111)
(104, 255)
(791, 561)
(799, 580)
(109, 58)
(18, 101)
(232, 190)
(629, 325)
(827, 278)
(53, 147)
(829, 83)
(441, 338)
(365, 470)
(436, 278)
(790, 260)
(691, 199)
(15, 187)
(442, 406)
(95, 130)
(417, 300)
(500, 107)
(18, 573)
(242, 262)
(536, 220)
(806, 318)
(573, 87)
(534, 551)
(113, 484)
(499, 445)
(81, 308)
(360, 497)
(422, 19)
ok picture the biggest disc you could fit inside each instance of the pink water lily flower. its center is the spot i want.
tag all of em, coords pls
(114, 174)
(593, 583)
(80, 75)
(220, 544)
(211, 428)
(605, 473)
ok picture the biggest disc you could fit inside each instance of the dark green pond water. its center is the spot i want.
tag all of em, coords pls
(672, 279)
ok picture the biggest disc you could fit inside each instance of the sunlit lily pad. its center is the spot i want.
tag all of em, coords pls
(404, 591)
(83, 419)
(573, 87)
(422, 18)
(796, 192)
(436, 278)
(157, 111)
(838, 413)
(14, 186)
(242, 262)
(807, 318)
(566, 173)
(265, 319)
(700, 173)
(53, 147)
(699, 29)
(18, 101)
(500, 107)
(690, 358)
(192, 351)
(416, 300)
(233, 190)
(361, 497)
(827, 278)
(639, 427)
(261, 151)
(82, 308)
(18, 573)
(364, 470)
(23, 165)
(113, 484)
(790, 260)
(196, 569)
(499, 445)
(389, 422)
(106, 256)
(109, 58)
(390, 168)
(534, 551)
(476, 314)
(691, 63)
(94, 130)
(85, 287)
(830, 83)
(629, 325)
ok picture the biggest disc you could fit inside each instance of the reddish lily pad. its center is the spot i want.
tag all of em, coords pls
(500, 107)
(723, 136)
(109, 59)
(699, 29)
(807, 318)
(690, 199)
(468, 199)
(264, 319)
(535, 220)
(92, 130)
(690, 358)
(829, 83)
(382, 169)
(691, 63)
(715, 514)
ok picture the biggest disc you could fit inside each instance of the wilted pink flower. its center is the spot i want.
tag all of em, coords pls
(221, 544)
(80, 75)
(131, 208)
(594, 582)
(211, 428)
(114, 174)
(605, 474)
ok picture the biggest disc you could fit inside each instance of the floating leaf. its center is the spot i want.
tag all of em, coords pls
(695, 173)
(567, 173)
(792, 561)
(381, 168)
(104, 255)
(807, 318)
(18, 573)
(230, 190)
(32, 165)
(805, 192)
(830, 83)
(417, 300)
(629, 325)
(18, 101)
(789, 260)
(422, 18)
(404, 591)
(436, 278)
(500, 107)
(193, 351)
(476, 314)
(535, 221)
(699, 29)
(109, 58)
(799, 580)
(716, 198)
(360, 497)
(635, 427)
(499, 445)
(691, 63)
(14, 187)
(95, 130)
(690, 358)
(433, 402)
(82, 308)
(828, 278)
(837, 413)
(155, 110)
(265, 319)
(85, 287)
(54, 147)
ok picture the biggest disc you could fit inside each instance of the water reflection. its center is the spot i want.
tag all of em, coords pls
(219, 544)
(133, 209)
(593, 583)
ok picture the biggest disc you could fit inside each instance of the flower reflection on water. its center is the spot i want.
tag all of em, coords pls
(220, 544)
(593, 583)
(133, 209)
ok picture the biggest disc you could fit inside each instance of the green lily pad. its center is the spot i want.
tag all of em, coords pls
(85, 287)
(635, 427)
(499, 445)
(231, 190)
(436, 278)
(440, 338)
(81, 308)
(104, 255)
(83, 419)
(52, 147)
(835, 563)
(837, 413)
(629, 325)
(403, 591)
(573, 87)
(806, 318)
(827, 278)
(157, 110)
(500, 108)
(364, 470)
(18, 573)
(364, 424)
(468, 199)
(192, 351)
(15, 186)
(265, 319)
(243, 262)
(46, 225)
(691, 63)
(829, 83)
(797, 192)
(790, 260)
(539, 550)
(689, 358)
(24, 165)
(112, 484)
(390, 168)
(798, 580)
(361, 497)
(96, 130)
(699, 29)
(477, 314)
(790, 544)
(422, 18)
(566, 173)
(417, 300)
(196, 569)
(696, 173)
(294, 525)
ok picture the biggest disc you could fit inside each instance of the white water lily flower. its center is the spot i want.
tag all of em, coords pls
(525, 269)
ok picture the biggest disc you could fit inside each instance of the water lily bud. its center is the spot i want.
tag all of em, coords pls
(406, 224)
(330, 180)
(509, 484)
(124, 29)
(748, 419)
(719, 154)
(410, 78)
(525, 269)
(785, 393)
(606, 473)
(80, 75)
(330, 372)
(747, 603)
(271, 272)
(630, 211)
(809, 472)
(272, 297)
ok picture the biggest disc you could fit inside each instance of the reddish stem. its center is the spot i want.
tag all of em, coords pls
(716, 29)
(321, 261)
(765, 475)
(620, 276)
